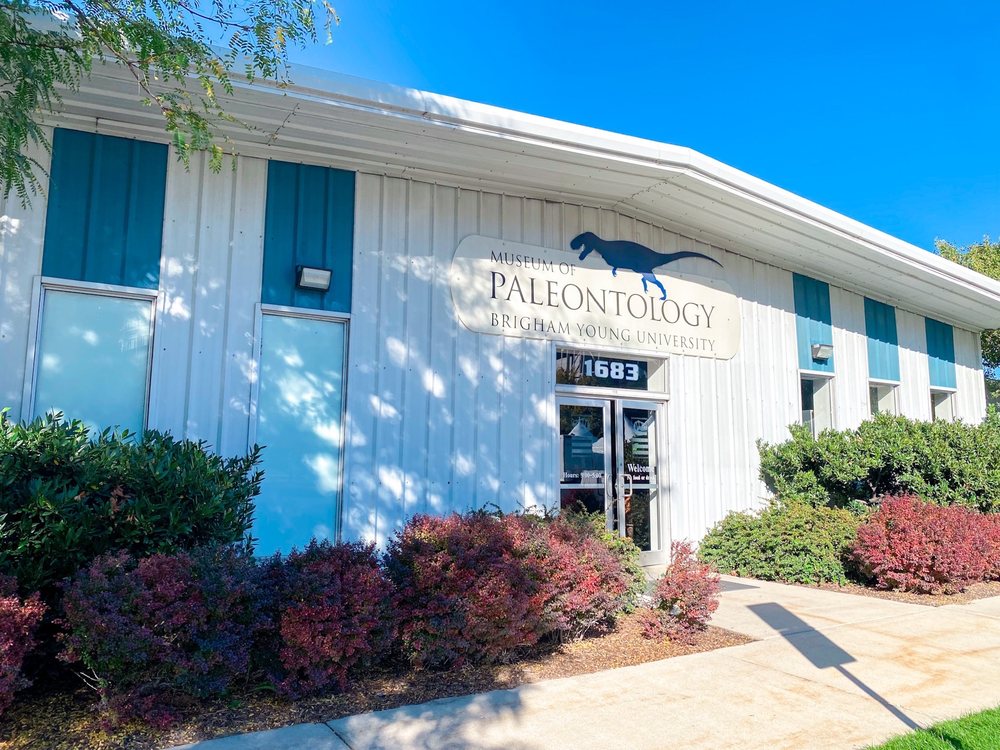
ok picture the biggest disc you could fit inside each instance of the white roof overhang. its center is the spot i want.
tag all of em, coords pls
(327, 118)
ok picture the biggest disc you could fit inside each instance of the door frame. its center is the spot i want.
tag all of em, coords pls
(613, 405)
(658, 407)
(605, 405)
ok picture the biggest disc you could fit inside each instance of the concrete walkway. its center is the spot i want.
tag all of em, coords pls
(830, 670)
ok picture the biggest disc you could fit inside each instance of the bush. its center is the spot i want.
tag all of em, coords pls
(18, 620)
(590, 580)
(916, 546)
(787, 541)
(471, 588)
(148, 630)
(948, 463)
(993, 550)
(335, 613)
(67, 497)
(627, 553)
(684, 598)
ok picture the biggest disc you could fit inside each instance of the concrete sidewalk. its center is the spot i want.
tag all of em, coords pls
(830, 670)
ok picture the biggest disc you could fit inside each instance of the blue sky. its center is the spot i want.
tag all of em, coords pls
(887, 112)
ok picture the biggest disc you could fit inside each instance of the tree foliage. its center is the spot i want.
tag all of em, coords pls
(182, 54)
(983, 257)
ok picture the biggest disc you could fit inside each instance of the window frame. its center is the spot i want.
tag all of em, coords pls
(331, 316)
(893, 386)
(43, 284)
(827, 379)
(949, 394)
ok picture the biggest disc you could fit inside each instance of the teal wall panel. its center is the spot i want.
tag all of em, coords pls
(104, 220)
(940, 354)
(883, 340)
(812, 320)
(309, 222)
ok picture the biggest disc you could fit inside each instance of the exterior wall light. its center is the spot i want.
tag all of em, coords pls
(822, 352)
(313, 278)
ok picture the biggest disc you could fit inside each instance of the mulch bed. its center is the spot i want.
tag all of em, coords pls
(973, 592)
(69, 720)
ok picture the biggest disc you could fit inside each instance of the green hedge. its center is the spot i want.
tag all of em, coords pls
(787, 541)
(948, 463)
(68, 496)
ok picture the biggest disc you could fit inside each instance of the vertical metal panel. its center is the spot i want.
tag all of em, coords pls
(914, 387)
(437, 377)
(310, 222)
(391, 356)
(413, 354)
(883, 341)
(970, 404)
(850, 346)
(21, 232)
(941, 353)
(203, 364)
(105, 209)
(360, 513)
(812, 310)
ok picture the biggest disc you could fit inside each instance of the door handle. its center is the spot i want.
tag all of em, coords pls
(627, 495)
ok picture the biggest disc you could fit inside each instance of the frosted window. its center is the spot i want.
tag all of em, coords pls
(92, 359)
(299, 418)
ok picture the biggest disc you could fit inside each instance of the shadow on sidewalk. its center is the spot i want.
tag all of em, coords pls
(443, 724)
(821, 652)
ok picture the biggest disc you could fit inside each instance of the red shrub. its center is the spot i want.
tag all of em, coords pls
(685, 597)
(588, 584)
(653, 624)
(992, 522)
(916, 546)
(18, 620)
(471, 588)
(148, 630)
(335, 613)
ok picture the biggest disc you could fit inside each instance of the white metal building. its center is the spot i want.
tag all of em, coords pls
(471, 344)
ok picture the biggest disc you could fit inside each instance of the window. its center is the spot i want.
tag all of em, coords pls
(92, 357)
(942, 408)
(882, 398)
(93, 311)
(299, 417)
(817, 403)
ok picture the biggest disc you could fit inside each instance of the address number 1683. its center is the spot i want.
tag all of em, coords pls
(612, 370)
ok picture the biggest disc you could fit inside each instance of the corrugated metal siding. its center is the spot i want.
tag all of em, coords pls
(718, 409)
(850, 346)
(914, 388)
(883, 341)
(442, 419)
(941, 353)
(21, 232)
(203, 362)
(479, 411)
(812, 310)
(309, 222)
(970, 399)
(105, 209)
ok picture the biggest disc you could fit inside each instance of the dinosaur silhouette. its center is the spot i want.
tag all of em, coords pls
(633, 256)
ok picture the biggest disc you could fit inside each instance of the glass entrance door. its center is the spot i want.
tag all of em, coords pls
(609, 461)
